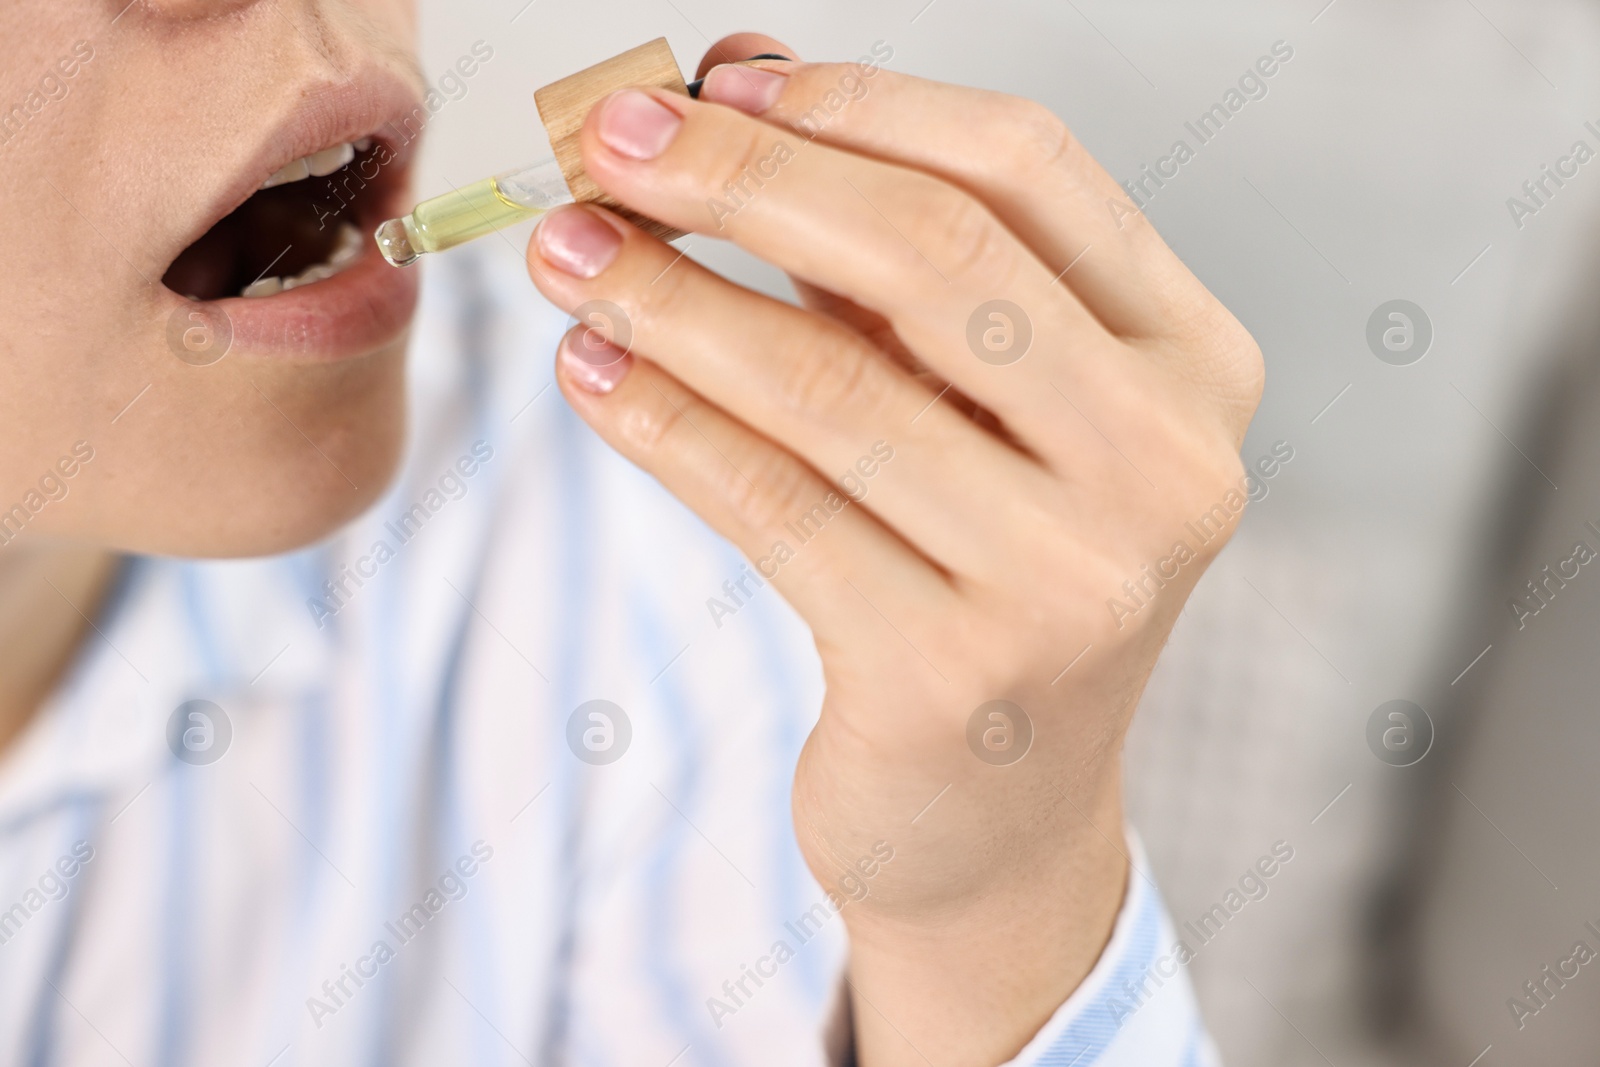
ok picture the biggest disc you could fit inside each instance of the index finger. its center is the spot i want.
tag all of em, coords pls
(1013, 154)
(922, 253)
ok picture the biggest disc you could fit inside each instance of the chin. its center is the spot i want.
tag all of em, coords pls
(289, 454)
(301, 483)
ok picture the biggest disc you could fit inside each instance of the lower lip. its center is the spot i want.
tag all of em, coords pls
(361, 309)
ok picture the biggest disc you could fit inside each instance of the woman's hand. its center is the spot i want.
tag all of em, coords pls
(987, 462)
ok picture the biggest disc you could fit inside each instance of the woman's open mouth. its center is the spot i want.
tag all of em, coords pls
(307, 223)
(292, 265)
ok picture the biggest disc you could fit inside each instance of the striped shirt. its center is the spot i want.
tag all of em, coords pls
(480, 779)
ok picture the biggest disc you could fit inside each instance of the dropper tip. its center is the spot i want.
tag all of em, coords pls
(395, 243)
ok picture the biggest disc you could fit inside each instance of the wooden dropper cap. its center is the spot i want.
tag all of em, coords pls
(564, 104)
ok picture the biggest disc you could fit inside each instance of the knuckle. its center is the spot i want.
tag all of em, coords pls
(772, 489)
(1201, 319)
(1215, 498)
(649, 427)
(970, 242)
(736, 175)
(820, 375)
(1038, 138)
(1250, 368)
(1221, 356)
(656, 302)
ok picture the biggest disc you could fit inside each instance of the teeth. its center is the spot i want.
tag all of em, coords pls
(347, 248)
(329, 160)
(307, 276)
(318, 164)
(291, 172)
(264, 287)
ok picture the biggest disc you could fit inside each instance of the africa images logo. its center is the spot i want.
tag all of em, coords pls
(199, 732)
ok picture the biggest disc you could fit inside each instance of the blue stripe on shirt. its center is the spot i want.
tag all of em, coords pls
(475, 320)
(570, 606)
(41, 1041)
(1094, 1028)
(181, 899)
(681, 1006)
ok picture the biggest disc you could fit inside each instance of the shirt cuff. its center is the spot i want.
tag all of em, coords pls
(1135, 1009)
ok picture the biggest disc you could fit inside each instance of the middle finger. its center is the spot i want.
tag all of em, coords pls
(808, 382)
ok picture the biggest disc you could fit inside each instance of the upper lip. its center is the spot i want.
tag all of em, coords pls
(370, 104)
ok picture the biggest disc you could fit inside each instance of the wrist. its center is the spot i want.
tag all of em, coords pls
(975, 980)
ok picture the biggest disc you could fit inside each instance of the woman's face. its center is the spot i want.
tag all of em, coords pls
(133, 142)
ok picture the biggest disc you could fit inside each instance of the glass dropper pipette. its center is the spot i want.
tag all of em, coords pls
(485, 206)
(466, 214)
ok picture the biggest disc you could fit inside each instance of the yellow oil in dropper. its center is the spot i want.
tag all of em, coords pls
(507, 199)
(466, 214)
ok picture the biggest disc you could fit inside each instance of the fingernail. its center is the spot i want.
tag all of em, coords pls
(634, 124)
(577, 241)
(594, 363)
(750, 89)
